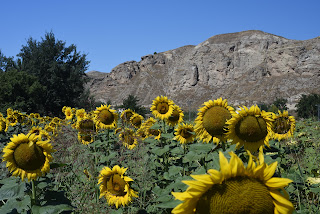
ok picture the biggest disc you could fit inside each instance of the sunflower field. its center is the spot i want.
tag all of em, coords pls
(227, 161)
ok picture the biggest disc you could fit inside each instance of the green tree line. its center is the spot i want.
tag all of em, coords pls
(46, 76)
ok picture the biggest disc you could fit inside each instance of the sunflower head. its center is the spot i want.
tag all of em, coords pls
(162, 107)
(114, 186)
(85, 137)
(68, 113)
(211, 120)
(80, 113)
(136, 120)
(126, 115)
(128, 138)
(176, 117)
(105, 117)
(250, 128)
(85, 124)
(28, 156)
(184, 133)
(283, 125)
(236, 189)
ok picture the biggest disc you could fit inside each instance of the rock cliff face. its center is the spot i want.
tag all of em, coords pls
(246, 68)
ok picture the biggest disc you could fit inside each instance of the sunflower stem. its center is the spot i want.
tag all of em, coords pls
(34, 195)
(184, 154)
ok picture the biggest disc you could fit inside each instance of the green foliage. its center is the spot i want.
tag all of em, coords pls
(21, 91)
(58, 68)
(132, 102)
(281, 104)
(278, 104)
(307, 106)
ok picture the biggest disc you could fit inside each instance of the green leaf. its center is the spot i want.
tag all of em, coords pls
(201, 147)
(155, 126)
(51, 209)
(160, 151)
(57, 165)
(169, 204)
(174, 170)
(16, 204)
(192, 156)
(12, 190)
(177, 151)
(167, 135)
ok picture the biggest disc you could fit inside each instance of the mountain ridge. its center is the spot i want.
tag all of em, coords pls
(246, 68)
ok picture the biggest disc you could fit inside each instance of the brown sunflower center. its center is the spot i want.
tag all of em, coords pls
(86, 136)
(281, 125)
(175, 116)
(251, 129)
(106, 117)
(163, 107)
(239, 195)
(214, 120)
(154, 132)
(186, 133)
(116, 185)
(87, 125)
(29, 157)
(136, 121)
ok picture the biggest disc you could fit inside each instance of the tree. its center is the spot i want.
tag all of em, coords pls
(307, 105)
(21, 91)
(131, 102)
(59, 68)
(281, 104)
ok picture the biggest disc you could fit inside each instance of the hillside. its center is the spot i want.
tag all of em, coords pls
(246, 67)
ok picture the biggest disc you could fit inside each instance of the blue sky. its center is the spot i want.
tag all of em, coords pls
(115, 31)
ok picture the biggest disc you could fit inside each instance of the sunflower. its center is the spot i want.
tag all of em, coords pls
(68, 113)
(176, 117)
(211, 120)
(80, 113)
(126, 115)
(250, 128)
(162, 107)
(283, 125)
(136, 120)
(114, 186)
(105, 118)
(184, 133)
(128, 138)
(236, 189)
(36, 130)
(86, 137)
(27, 156)
(3, 124)
(85, 123)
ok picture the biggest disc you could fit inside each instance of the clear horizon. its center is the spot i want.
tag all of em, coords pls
(111, 33)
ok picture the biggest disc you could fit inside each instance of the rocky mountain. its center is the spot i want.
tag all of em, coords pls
(246, 68)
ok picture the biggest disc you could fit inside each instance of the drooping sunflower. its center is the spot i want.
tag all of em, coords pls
(162, 107)
(36, 130)
(283, 125)
(126, 115)
(184, 133)
(105, 118)
(250, 128)
(85, 137)
(236, 189)
(27, 156)
(136, 120)
(176, 117)
(128, 138)
(211, 120)
(114, 186)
